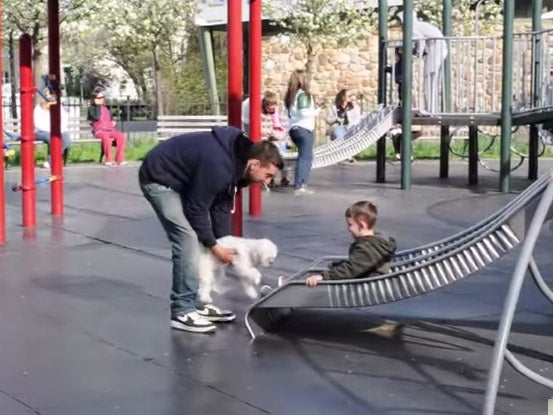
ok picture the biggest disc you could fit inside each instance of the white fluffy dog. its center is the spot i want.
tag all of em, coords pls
(250, 254)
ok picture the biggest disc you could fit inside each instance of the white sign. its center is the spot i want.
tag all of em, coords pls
(214, 12)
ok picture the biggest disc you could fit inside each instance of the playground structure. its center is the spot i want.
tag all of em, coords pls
(371, 130)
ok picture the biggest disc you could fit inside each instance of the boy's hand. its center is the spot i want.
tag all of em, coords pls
(313, 280)
(225, 255)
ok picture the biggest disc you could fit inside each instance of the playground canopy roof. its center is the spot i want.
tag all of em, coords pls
(214, 12)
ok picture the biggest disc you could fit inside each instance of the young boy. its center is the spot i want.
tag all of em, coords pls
(369, 254)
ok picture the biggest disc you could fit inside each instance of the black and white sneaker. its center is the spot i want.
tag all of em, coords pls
(212, 313)
(192, 322)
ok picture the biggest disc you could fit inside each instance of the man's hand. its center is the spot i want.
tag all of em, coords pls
(225, 255)
(313, 280)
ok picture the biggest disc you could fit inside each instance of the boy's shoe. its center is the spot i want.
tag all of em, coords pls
(108, 163)
(303, 191)
(122, 163)
(192, 322)
(46, 164)
(211, 313)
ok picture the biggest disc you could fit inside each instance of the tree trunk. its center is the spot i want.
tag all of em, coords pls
(310, 62)
(158, 104)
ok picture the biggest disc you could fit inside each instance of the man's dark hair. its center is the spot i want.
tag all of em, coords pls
(267, 153)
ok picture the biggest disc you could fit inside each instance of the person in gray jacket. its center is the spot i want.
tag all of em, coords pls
(369, 254)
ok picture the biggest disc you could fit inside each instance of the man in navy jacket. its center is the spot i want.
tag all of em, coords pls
(191, 181)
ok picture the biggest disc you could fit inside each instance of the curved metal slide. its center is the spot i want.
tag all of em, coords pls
(359, 137)
(413, 272)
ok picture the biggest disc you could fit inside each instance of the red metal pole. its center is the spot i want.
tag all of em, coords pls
(56, 186)
(2, 190)
(27, 91)
(234, 110)
(255, 92)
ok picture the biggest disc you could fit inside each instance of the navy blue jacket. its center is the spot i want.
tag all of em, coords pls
(206, 169)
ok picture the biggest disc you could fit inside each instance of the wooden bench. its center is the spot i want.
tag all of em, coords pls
(79, 131)
(170, 125)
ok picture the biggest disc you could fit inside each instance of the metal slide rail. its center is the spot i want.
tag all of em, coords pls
(359, 137)
(417, 271)
(525, 262)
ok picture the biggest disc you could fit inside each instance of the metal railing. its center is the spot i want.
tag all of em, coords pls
(476, 64)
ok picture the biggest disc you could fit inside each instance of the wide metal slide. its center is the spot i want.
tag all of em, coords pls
(359, 137)
(413, 272)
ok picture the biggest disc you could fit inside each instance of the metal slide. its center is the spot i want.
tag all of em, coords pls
(413, 272)
(359, 137)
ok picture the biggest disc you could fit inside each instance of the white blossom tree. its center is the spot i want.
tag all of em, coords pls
(142, 35)
(315, 23)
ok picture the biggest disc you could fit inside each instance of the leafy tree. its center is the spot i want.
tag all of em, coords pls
(30, 16)
(316, 23)
(146, 34)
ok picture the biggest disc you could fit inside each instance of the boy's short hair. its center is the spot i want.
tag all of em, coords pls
(267, 153)
(364, 211)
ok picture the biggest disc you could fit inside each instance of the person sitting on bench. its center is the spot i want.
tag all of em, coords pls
(41, 116)
(103, 128)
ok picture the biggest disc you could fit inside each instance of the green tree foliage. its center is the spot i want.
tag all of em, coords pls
(190, 94)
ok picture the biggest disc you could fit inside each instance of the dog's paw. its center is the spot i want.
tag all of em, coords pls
(251, 291)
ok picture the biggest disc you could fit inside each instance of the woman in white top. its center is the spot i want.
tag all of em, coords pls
(41, 115)
(302, 113)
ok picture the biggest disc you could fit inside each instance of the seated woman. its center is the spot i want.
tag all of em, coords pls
(344, 114)
(271, 128)
(103, 128)
(41, 116)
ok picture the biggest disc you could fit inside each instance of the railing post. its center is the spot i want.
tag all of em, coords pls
(382, 61)
(407, 92)
(507, 96)
(446, 95)
(537, 93)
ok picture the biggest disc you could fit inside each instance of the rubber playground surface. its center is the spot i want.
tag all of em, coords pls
(84, 310)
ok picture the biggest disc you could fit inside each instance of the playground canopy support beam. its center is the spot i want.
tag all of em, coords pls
(407, 104)
(537, 6)
(206, 50)
(507, 96)
(27, 91)
(234, 103)
(382, 61)
(56, 187)
(444, 129)
(255, 92)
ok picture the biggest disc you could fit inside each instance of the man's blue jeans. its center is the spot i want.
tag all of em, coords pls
(303, 139)
(185, 247)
